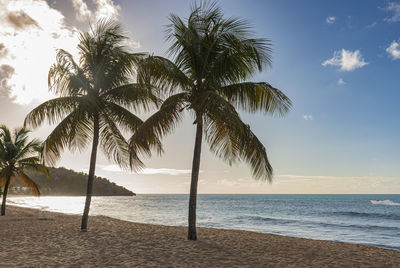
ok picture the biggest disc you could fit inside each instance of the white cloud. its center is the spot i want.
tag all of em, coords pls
(82, 11)
(165, 171)
(308, 117)
(148, 171)
(106, 9)
(346, 59)
(330, 20)
(341, 81)
(393, 8)
(31, 32)
(394, 50)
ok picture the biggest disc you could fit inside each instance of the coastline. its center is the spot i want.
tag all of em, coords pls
(39, 238)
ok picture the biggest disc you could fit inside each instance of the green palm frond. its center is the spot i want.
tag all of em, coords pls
(17, 153)
(134, 96)
(73, 132)
(66, 78)
(28, 182)
(54, 110)
(253, 97)
(114, 145)
(121, 116)
(150, 133)
(231, 139)
(163, 74)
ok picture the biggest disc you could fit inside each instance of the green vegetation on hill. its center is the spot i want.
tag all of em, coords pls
(63, 181)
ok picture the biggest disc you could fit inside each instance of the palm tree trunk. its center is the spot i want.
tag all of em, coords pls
(3, 205)
(92, 168)
(192, 235)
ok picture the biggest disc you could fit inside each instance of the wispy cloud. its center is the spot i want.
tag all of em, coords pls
(394, 9)
(292, 176)
(394, 50)
(330, 20)
(308, 117)
(165, 171)
(149, 171)
(372, 25)
(341, 82)
(347, 60)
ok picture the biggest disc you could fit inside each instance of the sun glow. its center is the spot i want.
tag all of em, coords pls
(31, 41)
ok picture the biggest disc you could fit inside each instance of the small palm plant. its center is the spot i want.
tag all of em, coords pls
(16, 155)
(95, 97)
(213, 58)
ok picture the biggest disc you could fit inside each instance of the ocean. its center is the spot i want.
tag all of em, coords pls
(363, 219)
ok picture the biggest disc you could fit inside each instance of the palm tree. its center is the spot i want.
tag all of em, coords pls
(213, 59)
(17, 155)
(96, 96)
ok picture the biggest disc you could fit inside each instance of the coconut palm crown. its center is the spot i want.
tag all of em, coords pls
(213, 59)
(16, 155)
(96, 96)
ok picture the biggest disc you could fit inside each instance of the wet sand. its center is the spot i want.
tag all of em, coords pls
(33, 238)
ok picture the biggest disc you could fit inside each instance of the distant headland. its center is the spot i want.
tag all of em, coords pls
(64, 181)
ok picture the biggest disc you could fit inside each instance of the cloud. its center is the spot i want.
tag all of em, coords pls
(372, 25)
(105, 9)
(346, 59)
(330, 20)
(341, 81)
(149, 171)
(394, 50)
(308, 117)
(19, 20)
(82, 11)
(165, 171)
(393, 8)
(6, 71)
(32, 34)
(3, 50)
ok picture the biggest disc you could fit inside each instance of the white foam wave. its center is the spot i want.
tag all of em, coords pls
(385, 202)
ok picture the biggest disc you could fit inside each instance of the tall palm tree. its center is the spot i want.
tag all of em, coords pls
(16, 155)
(213, 59)
(96, 97)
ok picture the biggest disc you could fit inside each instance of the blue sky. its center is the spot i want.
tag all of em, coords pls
(338, 61)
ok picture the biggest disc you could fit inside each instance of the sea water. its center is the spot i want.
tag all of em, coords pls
(363, 219)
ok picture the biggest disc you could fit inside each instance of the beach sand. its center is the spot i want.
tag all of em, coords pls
(33, 238)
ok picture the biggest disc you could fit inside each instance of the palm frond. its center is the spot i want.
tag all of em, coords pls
(72, 132)
(113, 143)
(134, 96)
(54, 110)
(28, 182)
(231, 139)
(253, 97)
(148, 136)
(163, 74)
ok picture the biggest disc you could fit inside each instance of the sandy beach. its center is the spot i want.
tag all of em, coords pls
(33, 238)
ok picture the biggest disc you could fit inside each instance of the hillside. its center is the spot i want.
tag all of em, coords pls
(68, 182)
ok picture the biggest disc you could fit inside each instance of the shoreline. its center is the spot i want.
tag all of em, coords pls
(35, 237)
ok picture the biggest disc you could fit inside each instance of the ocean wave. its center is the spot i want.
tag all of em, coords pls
(265, 219)
(367, 215)
(311, 223)
(384, 202)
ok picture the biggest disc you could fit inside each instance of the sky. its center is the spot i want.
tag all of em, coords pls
(338, 61)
